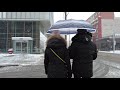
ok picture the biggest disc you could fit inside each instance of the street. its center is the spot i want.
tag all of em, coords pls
(102, 68)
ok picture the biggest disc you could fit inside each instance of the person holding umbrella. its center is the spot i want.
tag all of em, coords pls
(83, 51)
(56, 58)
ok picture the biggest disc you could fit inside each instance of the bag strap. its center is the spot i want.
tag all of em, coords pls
(58, 56)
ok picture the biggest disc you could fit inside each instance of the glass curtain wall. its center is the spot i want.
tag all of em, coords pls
(9, 29)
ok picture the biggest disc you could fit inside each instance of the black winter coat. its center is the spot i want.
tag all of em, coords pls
(54, 67)
(83, 51)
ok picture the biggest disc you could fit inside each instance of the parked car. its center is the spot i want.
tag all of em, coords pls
(10, 51)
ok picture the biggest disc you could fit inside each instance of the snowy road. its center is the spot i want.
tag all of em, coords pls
(113, 69)
(31, 66)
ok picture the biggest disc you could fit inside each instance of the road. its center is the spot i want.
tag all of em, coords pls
(36, 71)
(109, 66)
(102, 68)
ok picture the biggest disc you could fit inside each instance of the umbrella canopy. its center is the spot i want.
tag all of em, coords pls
(71, 26)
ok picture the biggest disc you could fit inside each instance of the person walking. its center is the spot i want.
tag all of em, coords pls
(83, 51)
(56, 58)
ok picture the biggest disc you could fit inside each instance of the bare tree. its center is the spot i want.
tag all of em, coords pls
(66, 14)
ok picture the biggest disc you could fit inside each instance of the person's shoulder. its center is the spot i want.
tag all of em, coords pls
(92, 43)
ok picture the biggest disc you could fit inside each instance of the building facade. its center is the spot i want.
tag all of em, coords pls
(107, 34)
(24, 31)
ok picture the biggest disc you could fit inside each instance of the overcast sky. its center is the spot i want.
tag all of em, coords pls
(76, 15)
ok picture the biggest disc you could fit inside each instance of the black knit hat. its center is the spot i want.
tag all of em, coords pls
(81, 31)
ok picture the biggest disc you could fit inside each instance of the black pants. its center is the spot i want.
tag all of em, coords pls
(82, 70)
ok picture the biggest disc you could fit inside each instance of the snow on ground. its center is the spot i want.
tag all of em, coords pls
(28, 59)
(115, 52)
(21, 59)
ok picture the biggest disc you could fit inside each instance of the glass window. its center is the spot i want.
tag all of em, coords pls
(3, 36)
(28, 15)
(19, 25)
(3, 44)
(0, 14)
(32, 15)
(10, 35)
(19, 35)
(3, 27)
(37, 15)
(28, 28)
(11, 27)
(22, 14)
(28, 35)
(18, 14)
(14, 15)
(4, 14)
(9, 15)
(9, 44)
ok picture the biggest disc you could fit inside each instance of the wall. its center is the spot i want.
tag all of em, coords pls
(107, 15)
(117, 25)
(107, 27)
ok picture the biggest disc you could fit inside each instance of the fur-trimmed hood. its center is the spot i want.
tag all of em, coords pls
(56, 41)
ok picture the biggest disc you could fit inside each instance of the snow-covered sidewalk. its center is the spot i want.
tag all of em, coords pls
(28, 59)
(21, 59)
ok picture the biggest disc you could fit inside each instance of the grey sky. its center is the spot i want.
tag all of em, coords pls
(76, 15)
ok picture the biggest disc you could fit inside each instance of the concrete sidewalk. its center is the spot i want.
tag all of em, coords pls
(32, 71)
(37, 71)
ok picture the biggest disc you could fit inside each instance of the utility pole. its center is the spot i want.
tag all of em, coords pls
(65, 13)
(114, 42)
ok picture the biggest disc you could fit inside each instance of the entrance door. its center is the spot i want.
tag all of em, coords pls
(24, 47)
(18, 47)
(21, 47)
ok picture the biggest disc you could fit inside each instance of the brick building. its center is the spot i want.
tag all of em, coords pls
(107, 30)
